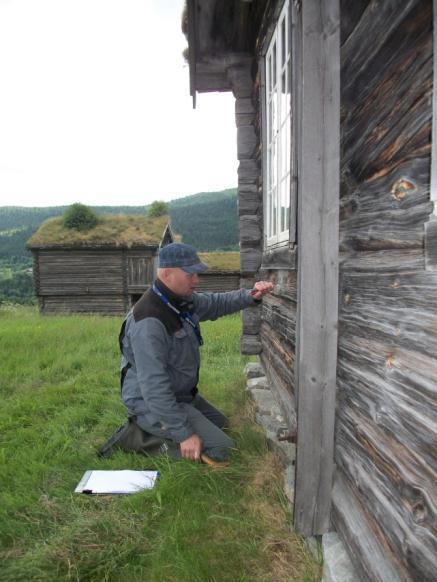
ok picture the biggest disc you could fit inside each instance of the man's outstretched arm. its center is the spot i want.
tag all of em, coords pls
(214, 305)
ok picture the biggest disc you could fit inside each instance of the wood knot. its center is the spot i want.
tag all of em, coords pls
(347, 298)
(390, 361)
(401, 188)
(419, 512)
(396, 283)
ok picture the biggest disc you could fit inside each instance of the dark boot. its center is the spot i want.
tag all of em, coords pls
(132, 438)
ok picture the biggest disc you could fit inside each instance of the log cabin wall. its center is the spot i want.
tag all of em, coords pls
(81, 281)
(384, 496)
(219, 281)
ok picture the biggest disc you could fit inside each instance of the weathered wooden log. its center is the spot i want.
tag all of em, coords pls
(250, 345)
(250, 230)
(350, 518)
(249, 203)
(248, 172)
(403, 517)
(250, 260)
(252, 320)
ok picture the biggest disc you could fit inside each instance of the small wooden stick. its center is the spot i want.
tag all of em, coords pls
(212, 462)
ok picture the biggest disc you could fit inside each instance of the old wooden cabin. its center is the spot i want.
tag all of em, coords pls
(106, 269)
(334, 110)
(102, 270)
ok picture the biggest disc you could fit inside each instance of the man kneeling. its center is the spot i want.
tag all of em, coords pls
(160, 339)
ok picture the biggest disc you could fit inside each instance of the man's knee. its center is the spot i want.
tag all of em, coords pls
(219, 448)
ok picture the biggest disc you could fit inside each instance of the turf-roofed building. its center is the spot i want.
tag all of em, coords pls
(101, 270)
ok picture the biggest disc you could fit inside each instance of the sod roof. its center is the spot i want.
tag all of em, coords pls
(221, 261)
(111, 230)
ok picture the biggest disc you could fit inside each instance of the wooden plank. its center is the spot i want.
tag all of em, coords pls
(250, 230)
(101, 304)
(316, 335)
(402, 517)
(250, 345)
(386, 88)
(350, 520)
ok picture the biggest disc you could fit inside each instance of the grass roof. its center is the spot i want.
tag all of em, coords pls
(118, 230)
(221, 261)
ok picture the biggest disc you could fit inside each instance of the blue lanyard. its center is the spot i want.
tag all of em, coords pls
(182, 314)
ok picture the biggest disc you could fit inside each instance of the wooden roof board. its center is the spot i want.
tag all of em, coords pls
(218, 32)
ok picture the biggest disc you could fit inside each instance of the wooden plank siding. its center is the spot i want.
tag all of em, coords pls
(385, 497)
(98, 304)
(80, 272)
(278, 337)
(219, 281)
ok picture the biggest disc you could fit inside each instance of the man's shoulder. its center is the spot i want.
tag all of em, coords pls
(150, 306)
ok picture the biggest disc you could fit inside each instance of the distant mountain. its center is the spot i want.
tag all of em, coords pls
(207, 220)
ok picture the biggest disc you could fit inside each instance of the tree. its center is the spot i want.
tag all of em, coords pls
(157, 208)
(80, 217)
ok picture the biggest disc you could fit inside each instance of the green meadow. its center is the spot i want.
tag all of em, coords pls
(59, 386)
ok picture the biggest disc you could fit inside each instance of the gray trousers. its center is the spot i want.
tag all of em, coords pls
(207, 423)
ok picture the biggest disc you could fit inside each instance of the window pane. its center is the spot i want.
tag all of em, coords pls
(284, 97)
(287, 202)
(274, 163)
(284, 154)
(274, 125)
(288, 144)
(274, 211)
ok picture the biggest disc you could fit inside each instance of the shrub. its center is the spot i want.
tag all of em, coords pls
(157, 208)
(80, 217)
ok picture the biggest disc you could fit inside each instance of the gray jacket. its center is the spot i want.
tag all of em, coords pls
(160, 364)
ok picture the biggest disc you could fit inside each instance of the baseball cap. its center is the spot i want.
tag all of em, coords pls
(181, 255)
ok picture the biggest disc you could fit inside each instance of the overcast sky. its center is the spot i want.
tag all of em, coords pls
(95, 106)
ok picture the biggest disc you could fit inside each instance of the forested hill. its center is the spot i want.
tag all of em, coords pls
(207, 220)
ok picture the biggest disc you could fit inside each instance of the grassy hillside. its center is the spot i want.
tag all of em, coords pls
(60, 400)
(208, 220)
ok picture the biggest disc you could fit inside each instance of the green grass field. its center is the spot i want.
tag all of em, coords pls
(60, 400)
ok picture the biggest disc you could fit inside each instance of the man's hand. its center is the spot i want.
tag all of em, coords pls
(191, 447)
(261, 288)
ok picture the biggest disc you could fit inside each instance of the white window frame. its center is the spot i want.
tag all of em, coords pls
(277, 127)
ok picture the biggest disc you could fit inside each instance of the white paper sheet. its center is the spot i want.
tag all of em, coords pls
(116, 482)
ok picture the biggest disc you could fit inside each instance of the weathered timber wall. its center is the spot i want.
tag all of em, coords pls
(278, 337)
(139, 265)
(219, 281)
(98, 304)
(85, 281)
(385, 495)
